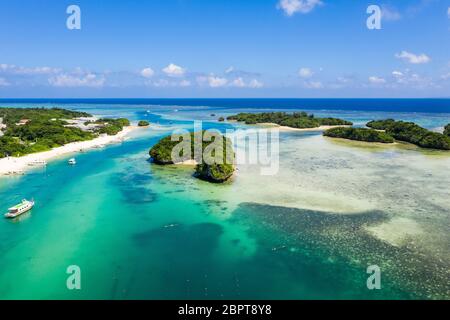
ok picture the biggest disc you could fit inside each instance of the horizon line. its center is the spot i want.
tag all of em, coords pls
(236, 98)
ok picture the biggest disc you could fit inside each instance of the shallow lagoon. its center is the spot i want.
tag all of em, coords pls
(140, 231)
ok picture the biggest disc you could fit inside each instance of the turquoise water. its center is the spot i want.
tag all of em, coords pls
(138, 231)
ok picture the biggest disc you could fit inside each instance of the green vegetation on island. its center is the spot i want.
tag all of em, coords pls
(412, 133)
(12, 116)
(111, 127)
(447, 130)
(143, 123)
(299, 120)
(207, 168)
(359, 134)
(221, 119)
(31, 130)
(380, 124)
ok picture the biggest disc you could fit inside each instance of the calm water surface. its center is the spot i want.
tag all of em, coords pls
(138, 231)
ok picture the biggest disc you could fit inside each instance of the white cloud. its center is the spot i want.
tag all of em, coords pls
(174, 76)
(290, 7)
(413, 58)
(216, 82)
(147, 72)
(255, 84)
(343, 80)
(3, 82)
(161, 83)
(376, 80)
(305, 73)
(164, 83)
(67, 80)
(229, 69)
(412, 80)
(445, 76)
(185, 83)
(172, 70)
(239, 82)
(313, 84)
(416, 81)
(13, 69)
(389, 13)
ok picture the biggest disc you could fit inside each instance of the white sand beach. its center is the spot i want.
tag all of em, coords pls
(13, 165)
(190, 162)
(284, 128)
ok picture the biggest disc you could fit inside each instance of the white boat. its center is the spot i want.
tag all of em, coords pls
(19, 209)
(72, 161)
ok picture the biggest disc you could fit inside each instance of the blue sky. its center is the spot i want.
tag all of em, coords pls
(224, 48)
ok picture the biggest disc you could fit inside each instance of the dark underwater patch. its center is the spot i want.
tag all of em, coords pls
(340, 249)
(135, 187)
(197, 239)
(138, 195)
(184, 256)
(126, 179)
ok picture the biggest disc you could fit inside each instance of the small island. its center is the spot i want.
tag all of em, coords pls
(143, 123)
(205, 169)
(221, 119)
(30, 130)
(412, 133)
(389, 130)
(359, 134)
(296, 120)
(108, 126)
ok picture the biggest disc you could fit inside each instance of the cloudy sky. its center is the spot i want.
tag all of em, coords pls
(224, 48)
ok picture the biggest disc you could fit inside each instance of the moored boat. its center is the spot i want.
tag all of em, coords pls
(19, 209)
(72, 161)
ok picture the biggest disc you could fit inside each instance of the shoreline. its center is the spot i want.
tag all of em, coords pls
(18, 165)
(285, 128)
(365, 143)
(270, 125)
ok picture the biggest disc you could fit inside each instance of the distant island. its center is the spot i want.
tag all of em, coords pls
(161, 154)
(389, 130)
(30, 130)
(359, 134)
(143, 123)
(412, 133)
(109, 126)
(297, 120)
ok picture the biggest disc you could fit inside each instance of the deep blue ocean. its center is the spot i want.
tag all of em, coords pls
(435, 105)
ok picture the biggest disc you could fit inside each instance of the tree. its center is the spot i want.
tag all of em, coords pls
(208, 169)
(359, 134)
(143, 123)
(413, 133)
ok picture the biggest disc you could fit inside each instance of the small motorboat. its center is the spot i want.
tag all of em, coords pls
(72, 161)
(19, 209)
